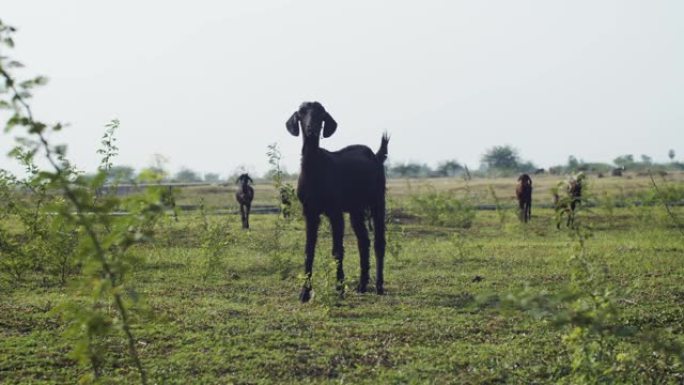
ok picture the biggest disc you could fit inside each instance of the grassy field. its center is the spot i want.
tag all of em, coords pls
(233, 317)
(628, 187)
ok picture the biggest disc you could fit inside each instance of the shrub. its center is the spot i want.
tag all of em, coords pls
(442, 209)
(103, 248)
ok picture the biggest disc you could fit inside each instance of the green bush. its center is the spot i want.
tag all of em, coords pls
(442, 209)
(601, 345)
(65, 216)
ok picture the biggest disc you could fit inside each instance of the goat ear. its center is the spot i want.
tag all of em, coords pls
(330, 126)
(292, 124)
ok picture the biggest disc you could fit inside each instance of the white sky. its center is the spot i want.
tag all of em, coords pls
(209, 84)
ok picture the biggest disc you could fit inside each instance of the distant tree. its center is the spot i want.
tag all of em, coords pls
(624, 160)
(466, 175)
(239, 170)
(526, 167)
(152, 174)
(582, 167)
(125, 174)
(449, 168)
(671, 155)
(573, 163)
(212, 178)
(501, 158)
(186, 175)
(646, 159)
(157, 172)
(284, 175)
(597, 167)
(410, 170)
(556, 170)
(159, 161)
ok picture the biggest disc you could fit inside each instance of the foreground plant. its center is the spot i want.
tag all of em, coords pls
(443, 208)
(290, 211)
(104, 249)
(602, 346)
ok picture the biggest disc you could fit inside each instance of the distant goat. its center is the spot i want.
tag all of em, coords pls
(573, 197)
(350, 180)
(523, 192)
(244, 195)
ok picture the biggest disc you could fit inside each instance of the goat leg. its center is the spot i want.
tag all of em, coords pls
(379, 244)
(242, 215)
(358, 221)
(312, 223)
(248, 209)
(337, 226)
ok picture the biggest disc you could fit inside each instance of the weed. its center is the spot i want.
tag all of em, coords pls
(442, 209)
(601, 347)
(216, 238)
(501, 212)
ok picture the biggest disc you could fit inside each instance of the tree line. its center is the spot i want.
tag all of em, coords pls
(496, 161)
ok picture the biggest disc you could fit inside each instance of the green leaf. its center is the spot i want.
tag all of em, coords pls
(36, 127)
(40, 80)
(22, 95)
(13, 121)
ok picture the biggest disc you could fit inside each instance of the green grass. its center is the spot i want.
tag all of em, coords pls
(244, 324)
(630, 186)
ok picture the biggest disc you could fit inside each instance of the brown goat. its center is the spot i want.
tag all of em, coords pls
(244, 195)
(523, 192)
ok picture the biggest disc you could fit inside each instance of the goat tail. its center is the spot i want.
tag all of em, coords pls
(382, 151)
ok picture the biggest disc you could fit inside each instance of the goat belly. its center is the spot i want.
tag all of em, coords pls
(347, 180)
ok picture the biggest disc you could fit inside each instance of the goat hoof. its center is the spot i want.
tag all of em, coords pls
(380, 290)
(361, 289)
(305, 295)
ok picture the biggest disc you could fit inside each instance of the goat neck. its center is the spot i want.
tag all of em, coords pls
(310, 151)
(243, 186)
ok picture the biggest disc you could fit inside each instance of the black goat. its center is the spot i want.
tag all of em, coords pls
(350, 180)
(523, 191)
(244, 195)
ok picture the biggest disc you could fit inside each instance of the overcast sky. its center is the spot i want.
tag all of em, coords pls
(209, 84)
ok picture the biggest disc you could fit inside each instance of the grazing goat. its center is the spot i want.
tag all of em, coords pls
(568, 204)
(350, 180)
(523, 192)
(244, 195)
